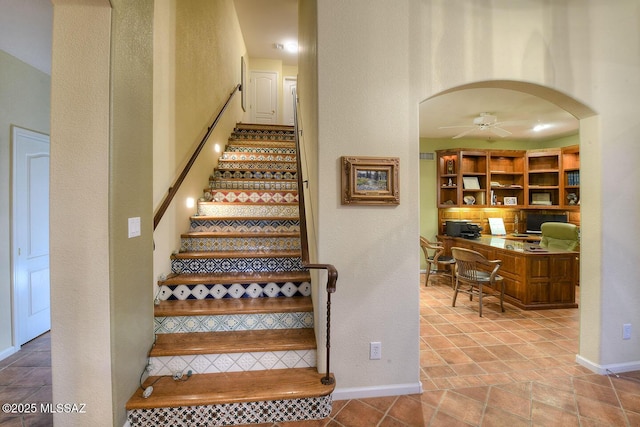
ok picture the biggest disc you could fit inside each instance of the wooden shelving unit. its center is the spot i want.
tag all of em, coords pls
(571, 176)
(543, 178)
(532, 179)
(507, 177)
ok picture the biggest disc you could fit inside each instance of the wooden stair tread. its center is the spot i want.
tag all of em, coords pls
(240, 234)
(235, 277)
(232, 387)
(190, 343)
(237, 254)
(224, 306)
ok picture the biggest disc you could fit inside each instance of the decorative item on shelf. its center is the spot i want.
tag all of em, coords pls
(450, 167)
(450, 183)
(469, 200)
(510, 201)
(449, 202)
(572, 198)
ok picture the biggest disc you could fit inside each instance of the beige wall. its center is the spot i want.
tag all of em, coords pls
(368, 95)
(191, 85)
(101, 174)
(24, 102)
(367, 107)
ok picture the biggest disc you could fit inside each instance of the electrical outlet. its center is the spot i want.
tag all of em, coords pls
(626, 331)
(375, 350)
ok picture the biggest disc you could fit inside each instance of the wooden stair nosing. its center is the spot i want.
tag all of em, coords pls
(263, 340)
(232, 387)
(224, 306)
(243, 234)
(237, 254)
(237, 277)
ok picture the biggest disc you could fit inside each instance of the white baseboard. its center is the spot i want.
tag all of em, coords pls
(616, 368)
(377, 391)
(8, 352)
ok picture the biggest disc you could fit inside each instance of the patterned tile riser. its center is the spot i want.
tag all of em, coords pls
(272, 226)
(252, 135)
(234, 165)
(223, 210)
(251, 174)
(233, 413)
(232, 322)
(260, 157)
(232, 362)
(230, 196)
(246, 244)
(221, 184)
(233, 265)
(234, 290)
(237, 148)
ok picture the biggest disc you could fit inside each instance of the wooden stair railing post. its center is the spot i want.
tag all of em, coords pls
(176, 185)
(332, 273)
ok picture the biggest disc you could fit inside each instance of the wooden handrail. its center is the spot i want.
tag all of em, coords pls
(176, 185)
(332, 273)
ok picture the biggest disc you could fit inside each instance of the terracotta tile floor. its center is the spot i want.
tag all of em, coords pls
(507, 369)
(25, 377)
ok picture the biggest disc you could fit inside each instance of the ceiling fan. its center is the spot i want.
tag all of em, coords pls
(484, 122)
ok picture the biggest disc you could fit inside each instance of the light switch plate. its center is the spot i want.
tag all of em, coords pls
(134, 227)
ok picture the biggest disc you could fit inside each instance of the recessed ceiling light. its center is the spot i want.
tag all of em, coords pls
(292, 47)
(540, 127)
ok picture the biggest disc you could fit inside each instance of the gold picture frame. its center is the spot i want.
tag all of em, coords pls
(370, 180)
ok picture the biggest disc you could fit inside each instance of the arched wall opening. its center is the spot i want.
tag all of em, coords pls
(591, 216)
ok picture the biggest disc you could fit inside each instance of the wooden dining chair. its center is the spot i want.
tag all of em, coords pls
(472, 279)
(437, 262)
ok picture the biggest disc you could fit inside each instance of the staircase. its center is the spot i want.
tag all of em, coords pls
(235, 341)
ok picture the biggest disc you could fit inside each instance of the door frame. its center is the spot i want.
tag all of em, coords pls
(15, 326)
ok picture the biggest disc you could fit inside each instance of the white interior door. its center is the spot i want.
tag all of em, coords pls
(264, 105)
(30, 234)
(287, 109)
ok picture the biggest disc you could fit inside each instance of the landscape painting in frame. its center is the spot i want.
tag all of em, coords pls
(370, 180)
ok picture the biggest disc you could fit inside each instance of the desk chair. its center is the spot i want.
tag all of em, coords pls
(559, 235)
(470, 278)
(436, 260)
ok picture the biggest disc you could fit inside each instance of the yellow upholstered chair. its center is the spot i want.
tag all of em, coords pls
(559, 235)
(435, 258)
(470, 277)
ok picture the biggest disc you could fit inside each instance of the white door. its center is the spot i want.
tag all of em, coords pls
(30, 234)
(264, 101)
(288, 99)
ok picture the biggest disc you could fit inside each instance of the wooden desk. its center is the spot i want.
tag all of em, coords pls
(533, 280)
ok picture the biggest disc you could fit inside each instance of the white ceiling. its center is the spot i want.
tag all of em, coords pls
(26, 27)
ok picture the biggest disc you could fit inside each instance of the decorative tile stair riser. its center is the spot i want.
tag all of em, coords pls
(225, 210)
(245, 244)
(232, 322)
(228, 265)
(238, 184)
(234, 290)
(236, 148)
(254, 174)
(255, 165)
(258, 157)
(251, 197)
(248, 225)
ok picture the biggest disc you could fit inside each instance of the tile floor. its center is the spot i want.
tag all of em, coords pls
(507, 369)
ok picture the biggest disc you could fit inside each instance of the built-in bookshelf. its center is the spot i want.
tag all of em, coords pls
(531, 179)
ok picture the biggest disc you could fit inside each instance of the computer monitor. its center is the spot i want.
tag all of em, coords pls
(535, 221)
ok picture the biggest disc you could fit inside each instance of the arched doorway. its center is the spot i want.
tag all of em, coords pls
(586, 124)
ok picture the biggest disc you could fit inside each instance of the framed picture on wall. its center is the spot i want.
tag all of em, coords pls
(370, 180)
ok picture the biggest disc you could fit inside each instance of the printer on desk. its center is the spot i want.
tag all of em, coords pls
(463, 228)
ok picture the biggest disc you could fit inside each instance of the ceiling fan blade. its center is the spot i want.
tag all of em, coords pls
(460, 135)
(452, 127)
(499, 131)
